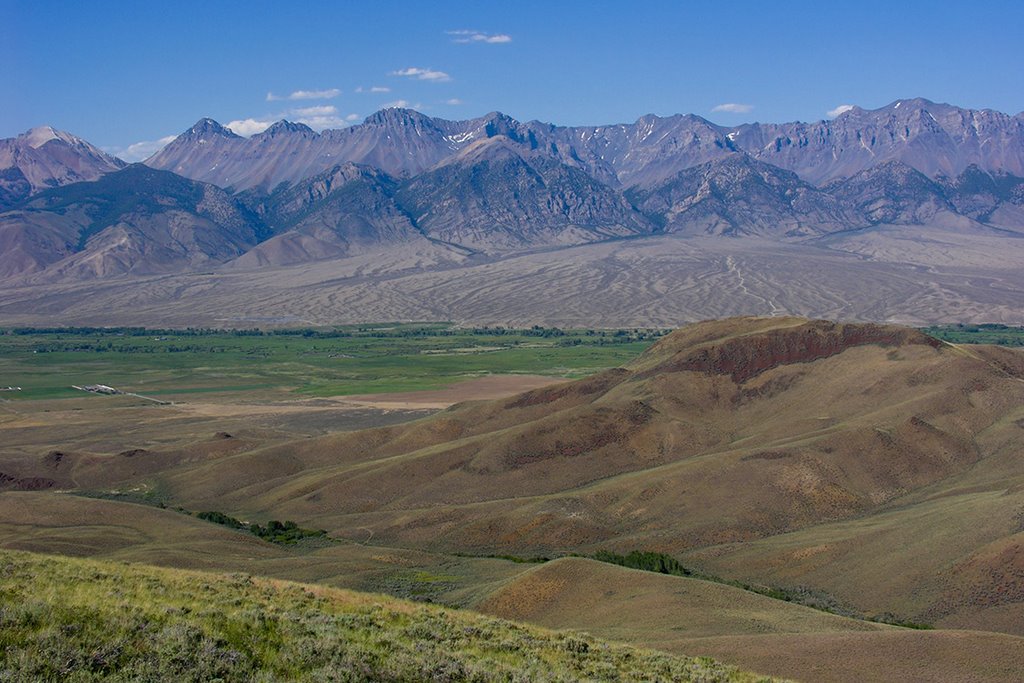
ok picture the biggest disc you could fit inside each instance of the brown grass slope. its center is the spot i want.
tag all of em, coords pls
(673, 614)
(76, 620)
(51, 522)
(679, 614)
(731, 432)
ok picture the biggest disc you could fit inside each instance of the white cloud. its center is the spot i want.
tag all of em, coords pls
(841, 109)
(247, 127)
(733, 108)
(373, 89)
(468, 36)
(455, 101)
(319, 123)
(423, 74)
(328, 94)
(397, 104)
(319, 110)
(318, 117)
(139, 151)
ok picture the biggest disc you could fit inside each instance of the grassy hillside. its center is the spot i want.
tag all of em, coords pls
(78, 620)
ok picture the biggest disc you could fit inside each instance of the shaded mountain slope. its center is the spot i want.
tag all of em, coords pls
(493, 196)
(136, 221)
(347, 210)
(894, 193)
(736, 195)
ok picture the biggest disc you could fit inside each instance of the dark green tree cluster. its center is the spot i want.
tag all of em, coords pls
(647, 561)
(284, 533)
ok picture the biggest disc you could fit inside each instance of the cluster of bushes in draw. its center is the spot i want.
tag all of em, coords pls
(285, 533)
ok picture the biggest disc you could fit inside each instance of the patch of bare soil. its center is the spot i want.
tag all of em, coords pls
(479, 389)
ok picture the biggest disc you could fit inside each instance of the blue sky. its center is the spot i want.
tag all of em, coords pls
(131, 73)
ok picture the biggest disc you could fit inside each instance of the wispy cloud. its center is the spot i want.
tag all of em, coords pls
(455, 101)
(319, 110)
(470, 36)
(423, 74)
(138, 151)
(247, 127)
(733, 108)
(841, 109)
(318, 117)
(397, 104)
(373, 89)
(328, 94)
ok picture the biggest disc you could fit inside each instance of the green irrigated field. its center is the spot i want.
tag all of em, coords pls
(1002, 335)
(340, 361)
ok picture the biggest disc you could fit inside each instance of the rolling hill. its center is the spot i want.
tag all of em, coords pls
(866, 469)
(728, 444)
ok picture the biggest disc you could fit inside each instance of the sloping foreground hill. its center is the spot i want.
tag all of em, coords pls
(724, 436)
(79, 620)
(669, 613)
(679, 614)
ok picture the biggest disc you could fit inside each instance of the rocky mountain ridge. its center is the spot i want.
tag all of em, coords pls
(936, 139)
(494, 186)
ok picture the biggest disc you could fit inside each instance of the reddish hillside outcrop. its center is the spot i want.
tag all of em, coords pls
(749, 355)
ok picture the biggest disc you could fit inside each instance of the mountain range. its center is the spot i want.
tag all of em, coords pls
(492, 187)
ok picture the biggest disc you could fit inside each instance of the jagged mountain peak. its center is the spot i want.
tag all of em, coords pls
(675, 118)
(205, 127)
(397, 116)
(44, 157)
(285, 127)
(497, 118)
(937, 139)
(912, 103)
(40, 135)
